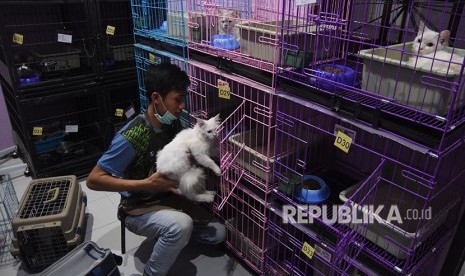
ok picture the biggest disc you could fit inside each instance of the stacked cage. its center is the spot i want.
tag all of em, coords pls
(57, 59)
(389, 63)
(49, 222)
(241, 36)
(163, 20)
(115, 36)
(44, 43)
(246, 154)
(146, 57)
(341, 163)
(160, 35)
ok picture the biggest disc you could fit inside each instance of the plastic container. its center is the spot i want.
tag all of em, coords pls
(386, 73)
(225, 41)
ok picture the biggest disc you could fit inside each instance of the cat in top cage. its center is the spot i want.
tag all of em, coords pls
(228, 19)
(185, 156)
(432, 54)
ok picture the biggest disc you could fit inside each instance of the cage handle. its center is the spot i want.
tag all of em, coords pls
(56, 192)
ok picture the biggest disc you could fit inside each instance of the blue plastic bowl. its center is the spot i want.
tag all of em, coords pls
(313, 196)
(225, 41)
(333, 73)
(29, 80)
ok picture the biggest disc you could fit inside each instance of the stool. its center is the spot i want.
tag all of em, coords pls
(122, 218)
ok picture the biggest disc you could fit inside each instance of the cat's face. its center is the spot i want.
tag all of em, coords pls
(227, 20)
(208, 127)
(428, 41)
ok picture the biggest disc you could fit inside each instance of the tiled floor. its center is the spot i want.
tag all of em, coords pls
(104, 229)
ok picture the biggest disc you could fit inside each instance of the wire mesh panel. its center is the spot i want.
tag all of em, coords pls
(49, 222)
(65, 129)
(311, 35)
(8, 204)
(289, 255)
(400, 59)
(247, 130)
(244, 31)
(298, 120)
(46, 42)
(409, 224)
(147, 56)
(115, 27)
(244, 215)
(164, 20)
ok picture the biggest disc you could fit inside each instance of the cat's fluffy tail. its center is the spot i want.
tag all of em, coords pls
(192, 182)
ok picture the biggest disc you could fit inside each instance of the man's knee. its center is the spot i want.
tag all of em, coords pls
(181, 228)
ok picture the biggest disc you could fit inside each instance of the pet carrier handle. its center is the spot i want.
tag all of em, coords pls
(56, 192)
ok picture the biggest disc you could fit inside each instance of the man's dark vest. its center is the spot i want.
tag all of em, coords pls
(146, 143)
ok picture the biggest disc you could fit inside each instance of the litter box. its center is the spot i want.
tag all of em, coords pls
(255, 152)
(408, 235)
(260, 40)
(385, 74)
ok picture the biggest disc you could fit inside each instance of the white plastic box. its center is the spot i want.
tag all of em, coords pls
(255, 152)
(389, 234)
(386, 73)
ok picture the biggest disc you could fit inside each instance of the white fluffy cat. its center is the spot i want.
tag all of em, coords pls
(180, 159)
(430, 56)
(227, 23)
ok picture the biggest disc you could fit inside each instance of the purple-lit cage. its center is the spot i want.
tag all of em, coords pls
(244, 215)
(375, 65)
(145, 57)
(244, 31)
(286, 257)
(164, 20)
(297, 119)
(246, 133)
(359, 176)
(402, 243)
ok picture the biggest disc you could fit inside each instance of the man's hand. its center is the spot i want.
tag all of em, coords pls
(157, 182)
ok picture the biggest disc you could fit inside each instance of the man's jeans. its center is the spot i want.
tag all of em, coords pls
(173, 230)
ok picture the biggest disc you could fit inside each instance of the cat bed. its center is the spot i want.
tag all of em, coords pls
(386, 73)
(329, 73)
(225, 41)
(313, 190)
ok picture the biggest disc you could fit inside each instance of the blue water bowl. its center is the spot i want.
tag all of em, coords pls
(313, 190)
(330, 73)
(225, 41)
(29, 80)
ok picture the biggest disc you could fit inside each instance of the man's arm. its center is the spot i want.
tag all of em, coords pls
(101, 180)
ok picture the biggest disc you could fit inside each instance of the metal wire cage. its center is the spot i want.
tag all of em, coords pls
(57, 205)
(45, 42)
(116, 34)
(147, 56)
(8, 204)
(246, 31)
(161, 20)
(375, 64)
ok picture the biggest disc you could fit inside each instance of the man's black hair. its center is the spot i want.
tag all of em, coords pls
(165, 77)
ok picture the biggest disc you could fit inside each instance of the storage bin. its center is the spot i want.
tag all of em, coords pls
(123, 52)
(255, 151)
(394, 237)
(49, 222)
(386, 73)
(260, 40)
(58, 57)
(177, 24)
